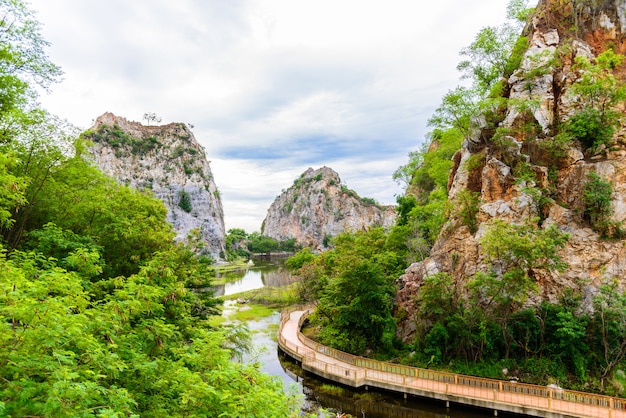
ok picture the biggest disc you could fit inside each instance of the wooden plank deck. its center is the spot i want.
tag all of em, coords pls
(496, 395)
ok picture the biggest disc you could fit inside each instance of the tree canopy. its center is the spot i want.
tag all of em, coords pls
(101, 312)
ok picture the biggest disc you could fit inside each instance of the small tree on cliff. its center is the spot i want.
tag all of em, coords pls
(151, 118)
(514, 252)
(609, 320)
(597, 92)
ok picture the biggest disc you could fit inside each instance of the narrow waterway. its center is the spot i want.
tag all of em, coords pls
(318, 395)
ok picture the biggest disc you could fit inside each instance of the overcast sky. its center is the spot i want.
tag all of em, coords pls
(272, 87)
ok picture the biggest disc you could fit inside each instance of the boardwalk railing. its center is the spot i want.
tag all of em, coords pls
(359, 371)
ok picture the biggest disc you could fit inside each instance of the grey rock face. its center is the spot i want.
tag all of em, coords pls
(318, 206)
(168, 161)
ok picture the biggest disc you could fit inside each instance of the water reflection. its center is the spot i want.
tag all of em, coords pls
(315, 392)
(371, 404)
(257, 276)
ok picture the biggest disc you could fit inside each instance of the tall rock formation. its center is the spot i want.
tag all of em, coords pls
(317, 206)
(523, 174)
(167, 160)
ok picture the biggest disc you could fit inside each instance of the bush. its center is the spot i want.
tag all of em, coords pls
(302, 257)
(467, 208)
(591, 127)
(185, 201)
(597, 198)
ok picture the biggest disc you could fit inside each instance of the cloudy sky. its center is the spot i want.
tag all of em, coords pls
(272, 87)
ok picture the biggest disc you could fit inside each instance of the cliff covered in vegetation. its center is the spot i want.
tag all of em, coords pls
(547, 152)
(318, 206)
(168, 161)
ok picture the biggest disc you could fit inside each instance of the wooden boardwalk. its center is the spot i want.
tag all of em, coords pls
(496, 395)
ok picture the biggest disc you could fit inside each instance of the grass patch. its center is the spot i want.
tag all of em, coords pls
(330, 389)
(229, 272)
(216, 321)
(273, 297)
(250, 312)
(233, 265)
(272, 331)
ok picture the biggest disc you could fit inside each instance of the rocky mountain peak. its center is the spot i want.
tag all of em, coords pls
(318, 206)
(169, 161)
(527, 165)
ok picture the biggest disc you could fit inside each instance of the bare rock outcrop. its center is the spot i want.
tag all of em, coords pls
(169, 161)
(553, 194)
(317, 206)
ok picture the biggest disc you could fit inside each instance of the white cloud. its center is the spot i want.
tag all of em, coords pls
(272, 86)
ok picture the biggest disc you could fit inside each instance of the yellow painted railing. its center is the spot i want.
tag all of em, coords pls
(362, 371)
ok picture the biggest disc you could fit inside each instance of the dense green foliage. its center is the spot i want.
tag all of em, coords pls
(118, 139)
(185, 201)
(23, 66)
(240, 244)
(544, 343)
(492, 320)
(597, 196)
(354, 284)
(597, 92)
(100, 312)
(142, 346)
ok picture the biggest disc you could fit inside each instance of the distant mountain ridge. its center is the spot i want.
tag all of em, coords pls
(318, 206)
(168, 160)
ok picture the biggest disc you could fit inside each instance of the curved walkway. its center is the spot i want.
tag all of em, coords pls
(497, 395)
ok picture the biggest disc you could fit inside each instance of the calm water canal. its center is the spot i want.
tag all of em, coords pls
(318, 394)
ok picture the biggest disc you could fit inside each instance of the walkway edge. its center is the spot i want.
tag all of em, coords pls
(496, 395)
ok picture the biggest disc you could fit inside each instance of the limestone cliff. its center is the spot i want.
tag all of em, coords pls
(168, 161)
(522, 174)
(317, 206)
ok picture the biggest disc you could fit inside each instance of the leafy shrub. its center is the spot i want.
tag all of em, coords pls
(591, 127)
(597, 92)
(302, 257)
(467, 207)
(185, 201)
(369, 201)
(597, 199)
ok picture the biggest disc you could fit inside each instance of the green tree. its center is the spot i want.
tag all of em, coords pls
(354, 282)
(356, 309)
(236, 244)
(597, 196)
(302, 257)
(597, 92)
(422, 211)
(262, 244)
(609, 320)
(69, 192)
(11, 191)
(23, 64)
(489, 56)
(456, 110)
(514, 253)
